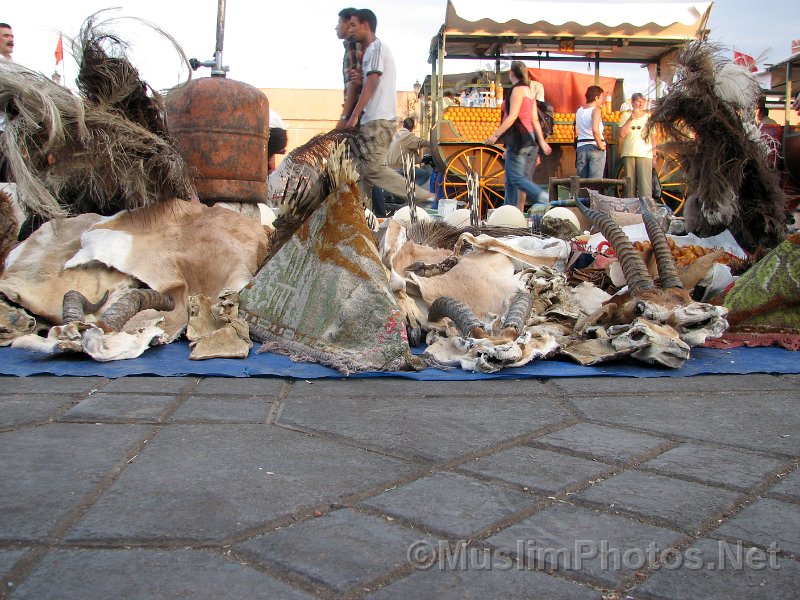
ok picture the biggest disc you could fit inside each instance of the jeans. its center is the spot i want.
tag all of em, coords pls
(517, 167)
(589, 161)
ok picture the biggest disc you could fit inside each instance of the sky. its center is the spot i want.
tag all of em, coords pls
(292, 43)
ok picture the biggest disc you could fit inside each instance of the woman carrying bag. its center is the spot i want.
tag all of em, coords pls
(521, 133)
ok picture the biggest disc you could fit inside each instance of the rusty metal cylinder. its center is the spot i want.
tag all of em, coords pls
(221, 128)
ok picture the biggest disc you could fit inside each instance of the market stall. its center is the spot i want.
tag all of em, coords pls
(647, 34)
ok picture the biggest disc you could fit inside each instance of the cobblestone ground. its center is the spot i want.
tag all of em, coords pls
(388, 488)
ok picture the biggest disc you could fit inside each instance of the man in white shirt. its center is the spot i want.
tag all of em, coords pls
(377, 107)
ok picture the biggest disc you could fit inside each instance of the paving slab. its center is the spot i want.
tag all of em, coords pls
(591, 545)
(766, 522)
(735, 468)
(394, 387)
(536, 469)
(249, 386)
(731, 418)
(788, 487)
(8, 559)
(17, 409)
(222, 409)
(342, 550)
(146, 574)
(50, 385)
(208, 482)
(608, 443)
(47, 471)
(452, 503)
(682, 503)
(577, 387)
(150, 385)
(481, 583)
(423, 427)
(103, 406)
(703, 575)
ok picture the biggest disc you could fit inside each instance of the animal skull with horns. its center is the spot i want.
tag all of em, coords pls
(659, 324)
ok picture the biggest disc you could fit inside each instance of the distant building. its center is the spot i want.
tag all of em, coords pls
(310, 112)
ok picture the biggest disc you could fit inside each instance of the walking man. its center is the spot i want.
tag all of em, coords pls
(377, 107)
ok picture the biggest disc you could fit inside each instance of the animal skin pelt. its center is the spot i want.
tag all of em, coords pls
(708, 113)
(104, 151)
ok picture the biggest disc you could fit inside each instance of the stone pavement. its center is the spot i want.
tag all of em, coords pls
(389, 488)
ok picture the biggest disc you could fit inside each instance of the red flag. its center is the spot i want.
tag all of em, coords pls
(59, 50)
(746, 61)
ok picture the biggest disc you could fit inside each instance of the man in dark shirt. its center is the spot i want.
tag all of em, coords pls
(351, 64)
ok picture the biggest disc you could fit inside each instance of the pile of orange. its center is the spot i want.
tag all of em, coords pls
(473, 124)
(564, 128)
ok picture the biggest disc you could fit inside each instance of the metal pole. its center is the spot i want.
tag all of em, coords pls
(219, 70)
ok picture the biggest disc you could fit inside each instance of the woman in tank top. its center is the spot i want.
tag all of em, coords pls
(521, 133)
(590, 154)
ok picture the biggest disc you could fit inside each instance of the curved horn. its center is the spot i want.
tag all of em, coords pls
(667, 270)
(132, 303)
(460, 314)
(75, 306)
(630, 260)
(519, 309)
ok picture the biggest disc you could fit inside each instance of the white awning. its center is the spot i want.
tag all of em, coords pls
(624, 31)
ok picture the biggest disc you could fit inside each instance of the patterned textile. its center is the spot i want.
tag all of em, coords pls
(766, 299)
(324, 297)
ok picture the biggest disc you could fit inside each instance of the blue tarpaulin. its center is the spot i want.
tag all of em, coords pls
(172, 360)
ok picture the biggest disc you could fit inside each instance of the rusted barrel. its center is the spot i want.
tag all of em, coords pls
(221, 128)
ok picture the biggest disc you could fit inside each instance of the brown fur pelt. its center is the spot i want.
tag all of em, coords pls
(71, 155)
(8, 228)
(107, 77)
(708, 113)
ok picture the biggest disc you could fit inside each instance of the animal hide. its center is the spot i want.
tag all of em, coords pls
(164, 247)
(216, 330)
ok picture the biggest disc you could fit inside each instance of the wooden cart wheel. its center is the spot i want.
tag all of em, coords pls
(670, 175)
(487, 162)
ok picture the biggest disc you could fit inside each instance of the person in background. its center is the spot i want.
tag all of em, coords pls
(637, 150)
(6, 48)
(277, 139)
(6, 41)
(377, 108)
(762, 113)
(522, 136)
(351, 64)
(403, 142)
(538, 90)
(590, 155)
(448, 99)
(796, 103)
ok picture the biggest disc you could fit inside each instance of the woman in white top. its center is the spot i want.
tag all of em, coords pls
(637, 150)
(590, 154)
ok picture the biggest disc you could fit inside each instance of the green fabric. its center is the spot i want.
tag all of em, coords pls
(324, 296)
(767, 295)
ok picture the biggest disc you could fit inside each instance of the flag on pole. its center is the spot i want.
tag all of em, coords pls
(59, 50)
(746, 61)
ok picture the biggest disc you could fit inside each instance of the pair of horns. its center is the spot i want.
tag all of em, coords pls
(636, 273)
(469, 325)
(75, 306)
